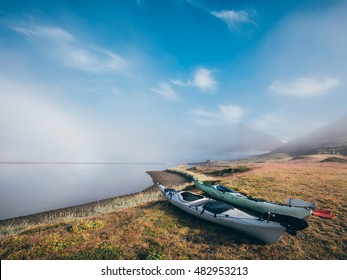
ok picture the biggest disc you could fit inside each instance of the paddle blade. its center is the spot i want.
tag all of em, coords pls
(324, 214)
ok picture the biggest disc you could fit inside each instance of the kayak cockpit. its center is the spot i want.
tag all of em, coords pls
(188, 196)
(223, 189)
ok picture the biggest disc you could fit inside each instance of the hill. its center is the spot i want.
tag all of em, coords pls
(240, 139)
(329, 139)
(248, 139)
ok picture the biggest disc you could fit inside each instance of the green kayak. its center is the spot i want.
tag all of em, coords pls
(300, 210)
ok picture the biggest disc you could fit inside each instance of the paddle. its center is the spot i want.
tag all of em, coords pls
(323, 213)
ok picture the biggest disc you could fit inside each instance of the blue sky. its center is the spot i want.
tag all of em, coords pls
(145, 80)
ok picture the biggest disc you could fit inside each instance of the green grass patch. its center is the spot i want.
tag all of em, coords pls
(87, 225)
(106, 252)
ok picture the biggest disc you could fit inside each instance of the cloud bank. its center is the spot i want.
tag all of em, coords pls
(70, 52)
(225, 114)
(35, 128)
(304, 87)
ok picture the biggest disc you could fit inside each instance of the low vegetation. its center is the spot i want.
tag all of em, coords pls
(145, 226)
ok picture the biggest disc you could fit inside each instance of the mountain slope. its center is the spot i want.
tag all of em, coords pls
(244, 138)
(239, 139)
(329, 139)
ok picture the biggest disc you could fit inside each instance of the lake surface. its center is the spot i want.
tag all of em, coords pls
(31, 188)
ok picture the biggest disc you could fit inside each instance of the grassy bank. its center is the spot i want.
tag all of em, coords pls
(145, 226)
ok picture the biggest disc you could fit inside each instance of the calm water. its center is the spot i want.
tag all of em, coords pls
(32, 188)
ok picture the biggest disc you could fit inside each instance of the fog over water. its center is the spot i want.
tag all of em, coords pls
(33, 188)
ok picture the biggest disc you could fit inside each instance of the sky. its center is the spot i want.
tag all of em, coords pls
(146, 80)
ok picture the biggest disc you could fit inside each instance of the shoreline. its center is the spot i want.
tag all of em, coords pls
(166, 178)
(83, 210)
(144, 225)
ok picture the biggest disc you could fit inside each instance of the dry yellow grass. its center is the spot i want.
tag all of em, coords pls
(158, 230)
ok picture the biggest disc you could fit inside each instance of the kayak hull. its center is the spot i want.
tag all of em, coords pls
(266, 231)
(260, 206)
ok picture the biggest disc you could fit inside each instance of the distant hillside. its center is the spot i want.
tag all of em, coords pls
(329, 139)
(244, 139)
(239, 139)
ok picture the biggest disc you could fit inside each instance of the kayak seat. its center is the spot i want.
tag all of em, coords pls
(188, 196)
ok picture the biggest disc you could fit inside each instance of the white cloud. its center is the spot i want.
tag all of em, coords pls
(165, 90)
(234, 19)
(67, 50)
(203, 80)
(48, 32)
(225, 114)
(304, 87)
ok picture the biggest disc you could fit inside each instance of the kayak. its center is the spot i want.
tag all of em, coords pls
(264, 229)
(295, 208)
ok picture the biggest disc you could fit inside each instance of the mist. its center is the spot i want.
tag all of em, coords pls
(73, 90)
(36, 128)
(32, 188)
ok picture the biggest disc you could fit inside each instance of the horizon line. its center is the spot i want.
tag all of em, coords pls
(76, 162)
